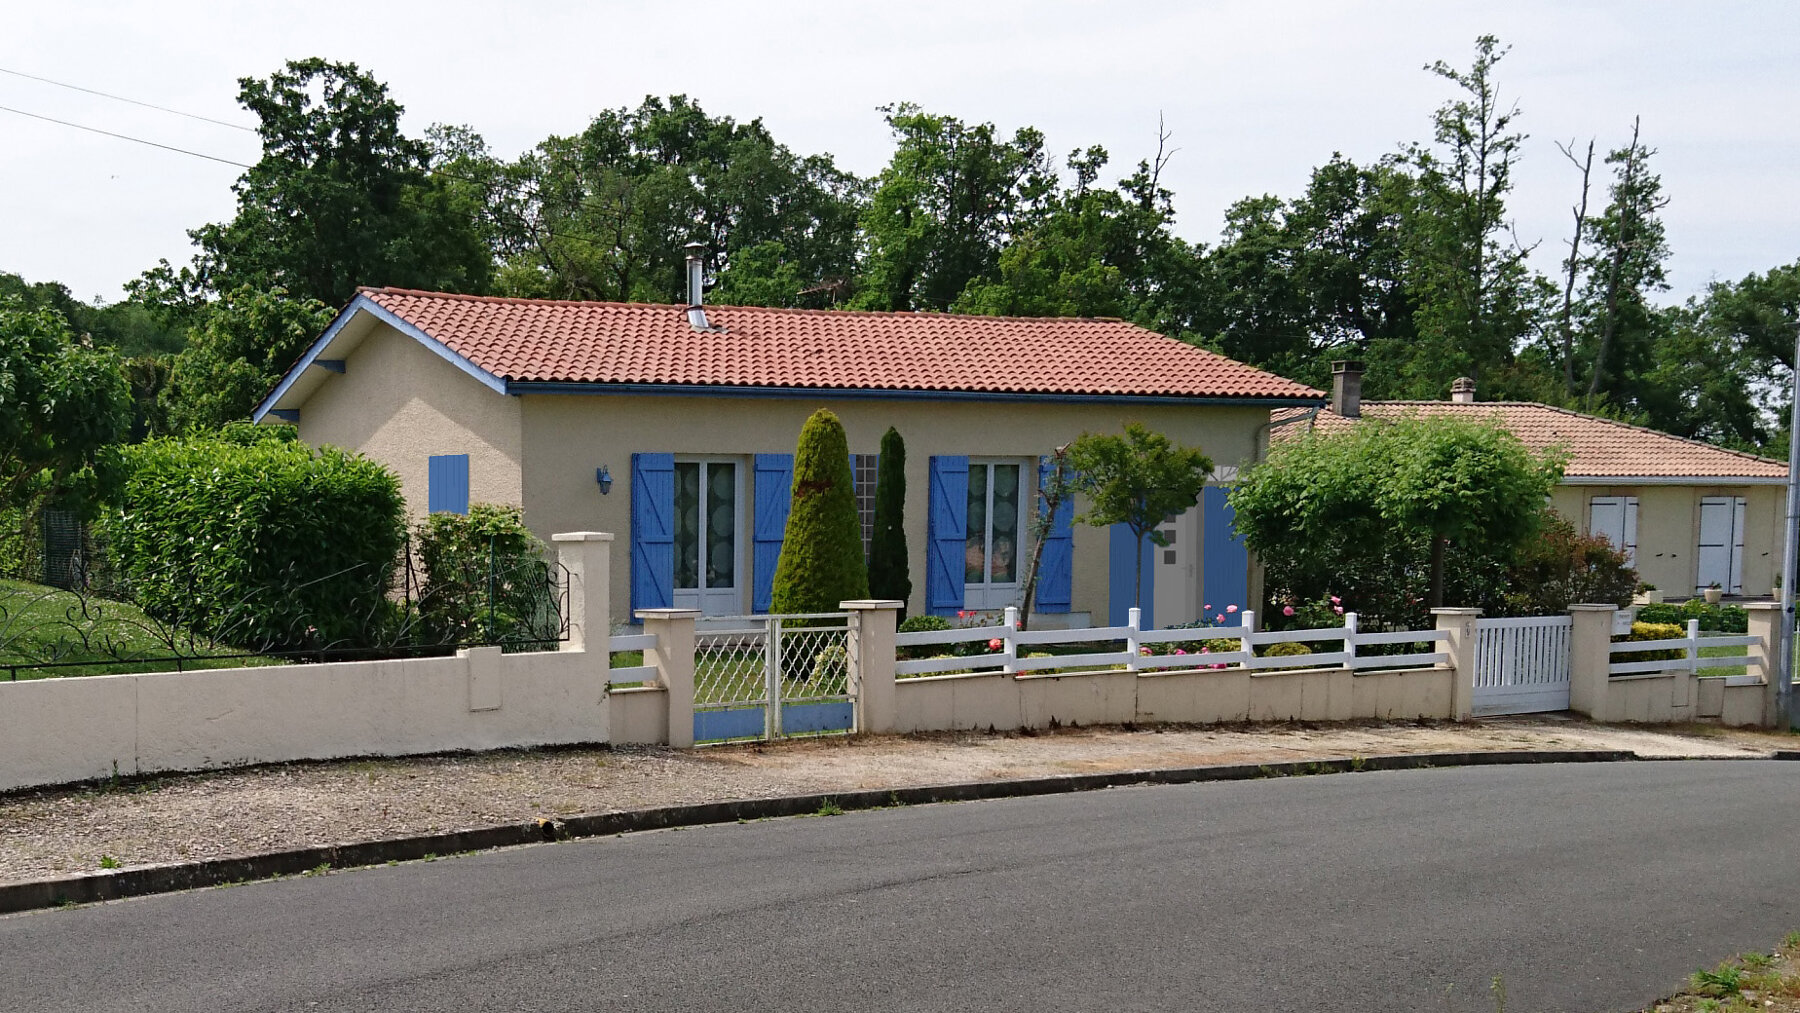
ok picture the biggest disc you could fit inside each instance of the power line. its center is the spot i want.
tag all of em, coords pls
(121, 98)
(123, 137)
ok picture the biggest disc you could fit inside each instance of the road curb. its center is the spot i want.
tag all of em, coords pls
(152, 879)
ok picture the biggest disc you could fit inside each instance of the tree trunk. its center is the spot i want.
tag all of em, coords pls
(1573, 264)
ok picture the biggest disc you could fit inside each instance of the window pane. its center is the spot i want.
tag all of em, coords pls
(687, 525)
(1006, 524)
(721, 526)
(975, 548)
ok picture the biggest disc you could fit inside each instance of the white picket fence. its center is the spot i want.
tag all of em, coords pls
(1690, 661)
(1006, 639)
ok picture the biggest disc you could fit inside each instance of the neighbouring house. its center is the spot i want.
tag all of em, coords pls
(674, 427)
(1687, 513)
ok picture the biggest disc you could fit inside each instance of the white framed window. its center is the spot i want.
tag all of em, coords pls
(997, 494)
(709, 495)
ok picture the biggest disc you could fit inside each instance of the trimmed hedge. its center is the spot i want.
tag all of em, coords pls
(1713, 618)
(1651, 631)
(821, 560)
(483, 578)
(261, 544)
(888, 576)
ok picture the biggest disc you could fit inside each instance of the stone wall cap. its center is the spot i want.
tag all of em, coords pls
(582, 536)
(1455, 612)
(1761, 606)
(1593, 608)
(862, 604)
(668, 613)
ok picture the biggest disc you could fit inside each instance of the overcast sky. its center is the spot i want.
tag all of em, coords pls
(1255, 93)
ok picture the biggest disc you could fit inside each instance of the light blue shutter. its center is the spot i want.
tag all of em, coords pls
(1056, 568)
(652, 531)
(946, 535)
(447, 484)
(1225, 569)
(773, 489)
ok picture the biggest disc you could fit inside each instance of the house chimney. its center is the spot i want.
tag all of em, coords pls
(696, 284)
(1462, 390)
(1346, 388)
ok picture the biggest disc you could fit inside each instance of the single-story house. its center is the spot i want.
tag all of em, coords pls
(674, 427)
(1687, 513)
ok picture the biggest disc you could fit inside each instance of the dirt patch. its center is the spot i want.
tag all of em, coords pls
(233, 813)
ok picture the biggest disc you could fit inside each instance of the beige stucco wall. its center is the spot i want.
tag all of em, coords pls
(1668, 532)
(566, 437)
(400, 403)
(59, 730)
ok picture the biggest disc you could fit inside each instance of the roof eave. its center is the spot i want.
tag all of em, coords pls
(918, 394)
(1673, 480)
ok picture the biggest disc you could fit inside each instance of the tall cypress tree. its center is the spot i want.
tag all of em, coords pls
(888, 577)
(821, 555)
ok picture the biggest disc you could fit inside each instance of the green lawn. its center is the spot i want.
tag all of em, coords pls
(57, 633)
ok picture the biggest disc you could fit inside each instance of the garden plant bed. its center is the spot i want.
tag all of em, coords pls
(177, 818)
(1768, 982)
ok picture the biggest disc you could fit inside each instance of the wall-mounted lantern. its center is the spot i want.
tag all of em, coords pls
(604, 477)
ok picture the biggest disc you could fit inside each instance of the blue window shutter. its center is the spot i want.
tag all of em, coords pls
(946, 535)
(1120, 570)
(1056, 568)
(1225, 562)
(447, 484)
(652, 531)
(774, 491)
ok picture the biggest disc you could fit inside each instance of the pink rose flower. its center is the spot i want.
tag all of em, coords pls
(1339, 609)
(1206, 608)
(1144, 651)
(1231, 608)
(1335, 600)
(1287, 610)
(1179, 651)
(995, 644)
(1219, 617)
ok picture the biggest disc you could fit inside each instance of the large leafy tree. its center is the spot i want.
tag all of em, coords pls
(1475, 295)
(1393, 512)
(340, 198)
(62, 403)
(243, 344)
(945, 206)
(1625, 266)
(605, 214)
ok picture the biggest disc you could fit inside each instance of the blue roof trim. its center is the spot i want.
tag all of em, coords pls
(706, 390)
(363, 304)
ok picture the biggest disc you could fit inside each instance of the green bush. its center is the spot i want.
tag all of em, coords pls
(482, 579)
(266, 545)
(1651, 631)
(821, 561)
(1713, 618)
(1562, 567)
(888, 575)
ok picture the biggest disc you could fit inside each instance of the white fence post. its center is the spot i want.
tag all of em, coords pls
(1248, 645)
(870, 647)
(587, 556)
(1693, 646)
(772, 677)
(673, 659)
(1350, 639)
(1133, 617)
(1011, 645)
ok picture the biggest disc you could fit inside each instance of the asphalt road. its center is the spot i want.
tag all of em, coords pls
(1586, 887)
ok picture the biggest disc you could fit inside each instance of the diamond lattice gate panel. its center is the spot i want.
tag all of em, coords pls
(1522, 665)
(801, 663)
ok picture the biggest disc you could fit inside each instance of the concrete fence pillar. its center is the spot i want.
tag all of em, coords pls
(1590, 659)
(1765, 626)
(873, 624)
(587, 556)
(1460, 624)
(673, 659)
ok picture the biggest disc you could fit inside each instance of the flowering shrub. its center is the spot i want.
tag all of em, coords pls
(1322, 614)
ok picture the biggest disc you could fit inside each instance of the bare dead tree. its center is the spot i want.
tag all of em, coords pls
(1572, 265)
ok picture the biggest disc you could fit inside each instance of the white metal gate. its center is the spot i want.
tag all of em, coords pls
(1522, 665)
(765, 677)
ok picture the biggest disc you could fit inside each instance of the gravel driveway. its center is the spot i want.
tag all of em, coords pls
(224, 814)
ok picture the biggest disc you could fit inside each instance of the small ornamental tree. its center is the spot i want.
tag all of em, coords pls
(482, 578)
(1056, 489)
(888, 576)
(1137, 480)
(821, 554)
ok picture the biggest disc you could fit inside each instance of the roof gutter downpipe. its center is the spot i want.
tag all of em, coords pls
(696, 286)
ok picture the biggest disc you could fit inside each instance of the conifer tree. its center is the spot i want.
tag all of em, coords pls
(821, 554)
(888, 576)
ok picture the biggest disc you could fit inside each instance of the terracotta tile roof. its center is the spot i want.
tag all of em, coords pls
(530, 340)
(1598, 447)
